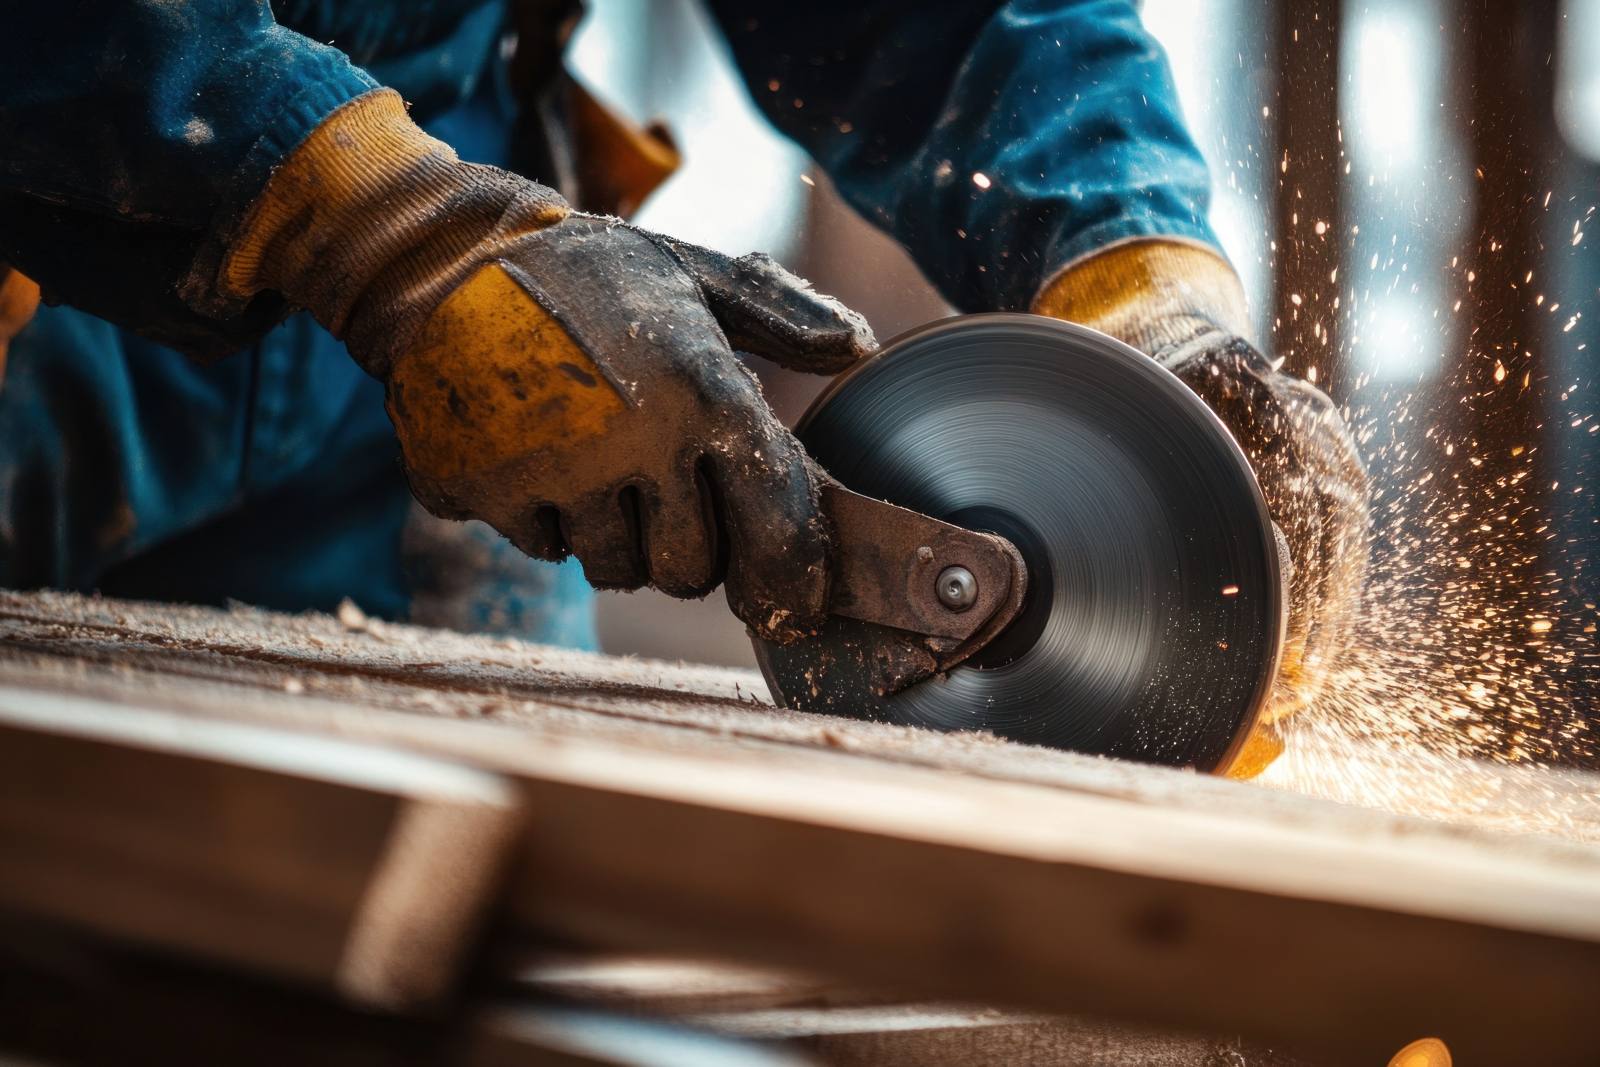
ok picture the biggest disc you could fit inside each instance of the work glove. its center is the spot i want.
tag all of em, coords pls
(566, 378)
(1183, 305)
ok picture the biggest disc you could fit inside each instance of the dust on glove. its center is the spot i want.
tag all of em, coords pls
(1183, 305)
(567, 378)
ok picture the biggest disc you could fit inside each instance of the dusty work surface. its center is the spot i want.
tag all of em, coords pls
(497, 701)
(351, 676)
(672, 809)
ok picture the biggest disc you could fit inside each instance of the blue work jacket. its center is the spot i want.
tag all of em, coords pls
(996, 141)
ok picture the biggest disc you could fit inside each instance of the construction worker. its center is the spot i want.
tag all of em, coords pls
(177, 179)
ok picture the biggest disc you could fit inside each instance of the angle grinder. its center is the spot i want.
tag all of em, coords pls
(1044, 534)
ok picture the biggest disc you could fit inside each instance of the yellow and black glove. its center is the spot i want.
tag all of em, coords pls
(566, 378)
(1183, 305)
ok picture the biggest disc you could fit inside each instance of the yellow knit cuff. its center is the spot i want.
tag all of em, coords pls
(369, 223)
(1150, 293)
(336, 181)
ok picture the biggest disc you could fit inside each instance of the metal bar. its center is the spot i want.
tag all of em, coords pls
(1310, 232)
(1490, 407)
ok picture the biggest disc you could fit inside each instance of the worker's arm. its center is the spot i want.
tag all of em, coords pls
(564, 377)
(1032, 155)
(134, 131)
(193, 170)
(996, 142)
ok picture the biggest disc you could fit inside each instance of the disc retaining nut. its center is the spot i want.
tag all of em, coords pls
(957, 588)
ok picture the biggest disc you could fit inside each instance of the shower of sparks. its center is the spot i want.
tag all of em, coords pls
(1452, 703)
(1458, 700)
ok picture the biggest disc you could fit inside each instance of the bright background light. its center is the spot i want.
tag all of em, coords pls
(1404, 195)
(1392, 326)
(1578, 76)
(739, 190)
(1220, 67)
(1394, 59)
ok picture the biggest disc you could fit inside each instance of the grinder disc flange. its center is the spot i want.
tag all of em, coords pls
(1155, 604)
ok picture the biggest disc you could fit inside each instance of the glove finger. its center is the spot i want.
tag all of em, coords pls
(541, 536)
(768, 312)
(681, 543)
(777, 539)
(605, 537)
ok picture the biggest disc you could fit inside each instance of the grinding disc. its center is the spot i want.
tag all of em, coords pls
(1155, 605)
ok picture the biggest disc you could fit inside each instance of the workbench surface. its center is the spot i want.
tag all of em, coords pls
(641, 806)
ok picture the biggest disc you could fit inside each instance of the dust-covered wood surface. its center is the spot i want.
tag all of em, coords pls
(671, 808)
(844, 1025)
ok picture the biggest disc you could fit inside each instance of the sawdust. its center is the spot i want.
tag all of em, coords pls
(344, 675)
(484, 698)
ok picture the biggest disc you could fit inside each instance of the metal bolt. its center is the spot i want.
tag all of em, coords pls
(957, 588)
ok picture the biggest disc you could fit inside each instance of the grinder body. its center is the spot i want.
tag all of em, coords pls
(1149, 608)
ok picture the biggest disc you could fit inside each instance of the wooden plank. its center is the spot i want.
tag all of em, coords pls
(682, 817)
(345, 865)
(1007, 894)
(844, 1025)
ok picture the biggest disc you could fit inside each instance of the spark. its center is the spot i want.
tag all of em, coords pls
(1450, 702)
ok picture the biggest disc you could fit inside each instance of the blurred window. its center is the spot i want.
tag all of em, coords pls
(1578, 76)
(1407, 199)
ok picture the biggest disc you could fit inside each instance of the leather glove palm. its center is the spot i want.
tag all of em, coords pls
(566, 378)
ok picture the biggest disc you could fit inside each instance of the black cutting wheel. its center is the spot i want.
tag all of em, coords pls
(1155, 607)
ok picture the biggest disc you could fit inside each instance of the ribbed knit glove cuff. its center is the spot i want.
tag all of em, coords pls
(1154, 294)
(370, 223)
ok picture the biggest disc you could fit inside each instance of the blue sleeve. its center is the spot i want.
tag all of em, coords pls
(157, 111)
(132, 131)
(996, 141)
